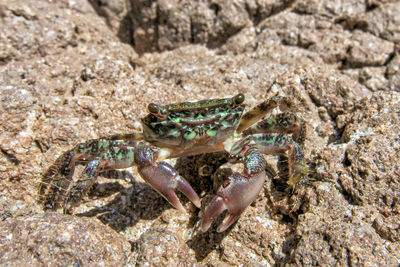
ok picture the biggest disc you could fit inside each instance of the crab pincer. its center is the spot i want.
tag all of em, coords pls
(239, 190)
(164, 179)
(234, 195)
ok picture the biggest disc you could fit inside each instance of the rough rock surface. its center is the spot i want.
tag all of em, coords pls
(76, 70)
(58, 240)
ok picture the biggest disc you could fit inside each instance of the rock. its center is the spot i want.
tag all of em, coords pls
(71, 71)
(58, 239)
(165, 24)
(161, 247)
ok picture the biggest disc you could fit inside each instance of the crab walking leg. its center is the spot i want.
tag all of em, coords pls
(56, 180)
(130, 137)
(280, 144)
(280, 123)
(83, 184)
(239, 190)
(159, 175)
(101, 154)
(259, 111)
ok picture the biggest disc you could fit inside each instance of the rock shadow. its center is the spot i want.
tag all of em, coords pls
(138, 202)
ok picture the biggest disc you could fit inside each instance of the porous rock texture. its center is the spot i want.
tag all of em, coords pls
(76, 70)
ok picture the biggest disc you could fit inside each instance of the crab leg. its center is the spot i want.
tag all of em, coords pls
(259, 111)
(130, 137)
(56, 180)
(280, 123)
(280, 144)
(104, 154)
(239, 190)
(56, 184)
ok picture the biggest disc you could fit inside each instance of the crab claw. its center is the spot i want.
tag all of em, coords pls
(164, 179)
(234, 195)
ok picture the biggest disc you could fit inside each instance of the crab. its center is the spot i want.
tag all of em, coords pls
(185, 129)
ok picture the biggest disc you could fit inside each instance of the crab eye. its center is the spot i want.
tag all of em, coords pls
(238, 99)
(153, 108)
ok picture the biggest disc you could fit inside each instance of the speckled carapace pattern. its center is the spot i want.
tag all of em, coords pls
(71, 71)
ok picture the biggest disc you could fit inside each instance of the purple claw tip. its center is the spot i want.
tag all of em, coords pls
(197, 203)
(205, 226)
(215, 208)
(181, 208)
(227, 222)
